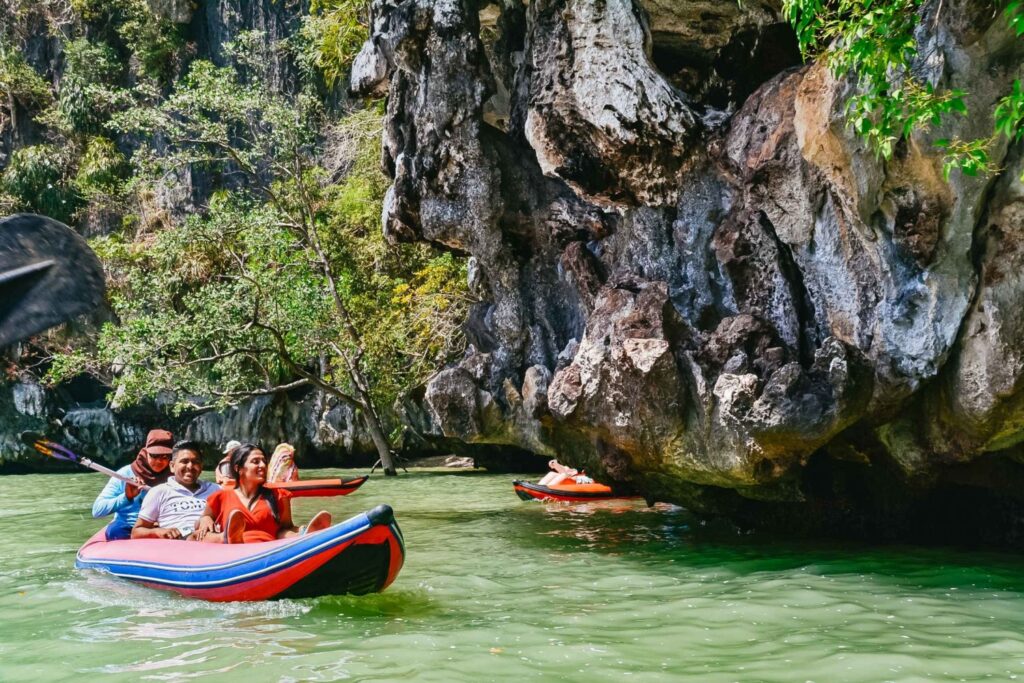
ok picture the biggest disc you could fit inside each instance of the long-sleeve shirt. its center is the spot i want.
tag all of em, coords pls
(112, 500)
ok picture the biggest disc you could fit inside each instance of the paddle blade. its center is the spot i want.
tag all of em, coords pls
(48, 275)
(47, 447)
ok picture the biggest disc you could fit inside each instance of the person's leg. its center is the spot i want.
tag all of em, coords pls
(234, 530)
(320, 521)
(547, 478)
(234, 527)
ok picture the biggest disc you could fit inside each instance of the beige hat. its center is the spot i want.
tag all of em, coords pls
(231, 445)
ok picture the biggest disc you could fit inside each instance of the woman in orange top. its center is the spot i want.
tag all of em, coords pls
(249, 512)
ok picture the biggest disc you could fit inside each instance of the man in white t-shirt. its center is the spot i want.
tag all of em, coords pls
(171, 510)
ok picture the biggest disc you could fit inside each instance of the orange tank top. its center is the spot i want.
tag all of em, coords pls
(260, 524)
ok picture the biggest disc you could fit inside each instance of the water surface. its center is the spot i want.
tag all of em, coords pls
(497, 589)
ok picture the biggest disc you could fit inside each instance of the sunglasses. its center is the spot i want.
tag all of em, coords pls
(159, 456)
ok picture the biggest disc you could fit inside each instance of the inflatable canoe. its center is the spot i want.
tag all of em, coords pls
(360, 555)
(319, 488)
(567, 491)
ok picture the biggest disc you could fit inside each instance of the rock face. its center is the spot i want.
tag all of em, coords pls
(323, 431)
(696, 279)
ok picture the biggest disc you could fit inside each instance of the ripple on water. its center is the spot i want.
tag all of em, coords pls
(498, 589)
(103, 590)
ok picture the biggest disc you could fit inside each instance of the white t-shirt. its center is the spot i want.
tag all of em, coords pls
(171, 505)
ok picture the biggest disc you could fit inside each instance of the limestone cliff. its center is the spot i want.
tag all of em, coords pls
(696, 279)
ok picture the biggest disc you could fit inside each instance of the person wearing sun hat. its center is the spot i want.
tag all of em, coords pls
(222, 472)
(124, 500)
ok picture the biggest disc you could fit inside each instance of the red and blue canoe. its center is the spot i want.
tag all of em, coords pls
(360, 555)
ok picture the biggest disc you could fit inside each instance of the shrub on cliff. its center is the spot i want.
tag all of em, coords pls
(874, 43)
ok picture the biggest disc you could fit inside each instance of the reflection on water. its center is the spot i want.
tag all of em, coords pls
(498, 589)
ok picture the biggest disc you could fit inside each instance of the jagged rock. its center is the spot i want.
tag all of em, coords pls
(29, 399)
(735, 299)
(323, 430)
(981, 402)
(598, 115)
(535, 390)
(369, 70)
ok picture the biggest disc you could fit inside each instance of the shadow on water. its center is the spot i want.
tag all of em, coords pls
(669, 539)
(395, 603)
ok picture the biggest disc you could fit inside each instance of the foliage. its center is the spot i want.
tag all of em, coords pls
(155, 42)
(19, 83)
(413, 298)
(333, 33)
(35, 180)
(214, 120)
(186, 300)
(1015, 15)
(287, 276)
(103, 45)
(88, 89)
(102, 168)
(873, 40)
(283, 277)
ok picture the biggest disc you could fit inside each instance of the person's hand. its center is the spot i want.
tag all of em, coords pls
(204, 527)
(168, 533)
(132, 490)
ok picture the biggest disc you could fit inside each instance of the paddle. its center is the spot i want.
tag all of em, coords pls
(48, 275)
(55, 450)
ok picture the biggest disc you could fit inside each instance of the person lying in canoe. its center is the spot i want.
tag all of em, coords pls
(248, 512)
(282, 464)
(124, 500)
(560, 473)
(172, 509)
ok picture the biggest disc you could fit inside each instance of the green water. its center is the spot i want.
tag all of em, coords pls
(497, 589)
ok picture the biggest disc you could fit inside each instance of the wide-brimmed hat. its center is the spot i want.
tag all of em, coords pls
(159, 442)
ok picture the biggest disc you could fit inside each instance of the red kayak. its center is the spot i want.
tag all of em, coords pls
(567, 491)
(319, 488)
(360, 555)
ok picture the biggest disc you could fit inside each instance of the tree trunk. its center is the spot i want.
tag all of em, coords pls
(379, 440)
(353, 364)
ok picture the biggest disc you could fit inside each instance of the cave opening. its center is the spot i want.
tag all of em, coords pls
(724, 78)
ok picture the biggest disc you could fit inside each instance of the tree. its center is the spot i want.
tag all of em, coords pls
(273, 286)
(217, 121)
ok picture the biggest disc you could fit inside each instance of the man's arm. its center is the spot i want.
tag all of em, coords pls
(145, 529)
(148, 523)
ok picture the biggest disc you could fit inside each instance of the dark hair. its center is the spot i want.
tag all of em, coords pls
(240, 455)
(238, 458)
(186, 445)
